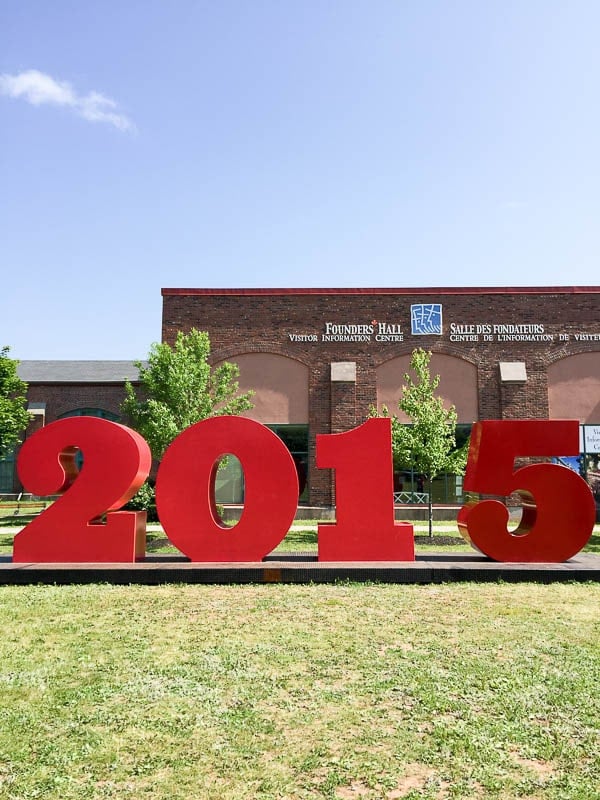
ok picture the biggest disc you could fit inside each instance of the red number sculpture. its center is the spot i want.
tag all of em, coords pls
(364, 489)
(558, 506)
(185, 490)
(116, 462)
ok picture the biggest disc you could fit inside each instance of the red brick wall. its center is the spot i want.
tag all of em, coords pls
(61, 398)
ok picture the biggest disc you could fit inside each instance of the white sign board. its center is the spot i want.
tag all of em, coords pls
(591, 438)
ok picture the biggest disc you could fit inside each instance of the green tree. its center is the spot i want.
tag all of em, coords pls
(179, 388)
(428, 444)
(13, 413)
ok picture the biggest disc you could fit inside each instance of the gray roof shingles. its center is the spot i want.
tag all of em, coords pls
(77, 371)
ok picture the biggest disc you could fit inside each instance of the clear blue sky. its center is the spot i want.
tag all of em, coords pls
(146, 143)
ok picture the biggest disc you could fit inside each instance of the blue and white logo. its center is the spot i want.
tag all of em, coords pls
(426, 319)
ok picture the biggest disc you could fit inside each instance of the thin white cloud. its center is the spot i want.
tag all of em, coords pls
(513, 205)
(38, 89)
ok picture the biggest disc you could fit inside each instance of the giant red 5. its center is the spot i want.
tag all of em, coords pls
(558, 506)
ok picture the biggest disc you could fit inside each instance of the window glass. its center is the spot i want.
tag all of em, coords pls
(295, 438)
(410, 487)
(91, 412)
(229, 483)
(7, 471)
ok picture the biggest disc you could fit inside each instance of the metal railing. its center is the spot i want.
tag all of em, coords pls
(411, 497)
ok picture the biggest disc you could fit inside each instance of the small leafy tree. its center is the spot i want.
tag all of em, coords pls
(428, 444)
(13, 413)
(179, 388)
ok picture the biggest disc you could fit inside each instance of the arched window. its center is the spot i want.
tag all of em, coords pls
(91, 412)
(458, 384)
(458, 387)
(574, 388)
(280, 387)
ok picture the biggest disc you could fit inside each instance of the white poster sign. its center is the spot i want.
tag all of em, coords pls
(591, 438)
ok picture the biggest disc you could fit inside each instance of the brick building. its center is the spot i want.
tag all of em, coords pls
(319, 359)
(58, 389)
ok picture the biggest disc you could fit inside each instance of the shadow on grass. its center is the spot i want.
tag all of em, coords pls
(16, 520)
(440, 540)
(302, 537)
(593, 546)
(158, 543)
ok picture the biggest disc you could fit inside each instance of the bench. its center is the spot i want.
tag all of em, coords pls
(22, 506)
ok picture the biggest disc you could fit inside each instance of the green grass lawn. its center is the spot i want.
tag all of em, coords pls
(289, 692)
(303, 537)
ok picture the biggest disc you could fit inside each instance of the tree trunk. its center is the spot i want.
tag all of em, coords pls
(430, 501)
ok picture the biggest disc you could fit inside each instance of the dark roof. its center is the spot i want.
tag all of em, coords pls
(77, 371)
(444, 290)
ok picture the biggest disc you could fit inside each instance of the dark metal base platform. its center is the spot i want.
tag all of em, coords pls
(303, 568)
